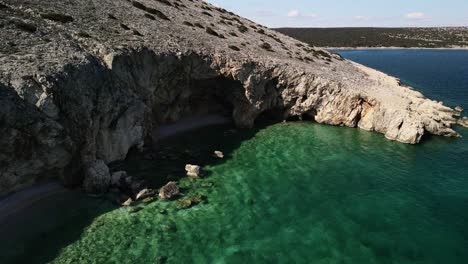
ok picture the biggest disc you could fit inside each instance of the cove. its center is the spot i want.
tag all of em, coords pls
(297, 192)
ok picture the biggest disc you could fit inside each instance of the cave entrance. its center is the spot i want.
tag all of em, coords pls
(198, 103)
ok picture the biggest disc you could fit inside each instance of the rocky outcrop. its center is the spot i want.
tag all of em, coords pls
(82, 87)
(97, 177)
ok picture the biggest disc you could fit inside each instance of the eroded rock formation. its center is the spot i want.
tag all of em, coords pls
(83, 82)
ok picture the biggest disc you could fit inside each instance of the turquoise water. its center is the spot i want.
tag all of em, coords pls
(287, 193)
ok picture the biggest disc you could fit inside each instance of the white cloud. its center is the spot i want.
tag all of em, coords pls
(296, 13)
(361, 18)
(293, 13)
(415, 15)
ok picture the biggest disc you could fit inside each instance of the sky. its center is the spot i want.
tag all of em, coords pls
(350, 13)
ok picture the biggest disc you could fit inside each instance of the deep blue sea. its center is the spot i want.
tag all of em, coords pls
(287, 193)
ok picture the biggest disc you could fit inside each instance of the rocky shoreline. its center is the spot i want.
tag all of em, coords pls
(83, 85)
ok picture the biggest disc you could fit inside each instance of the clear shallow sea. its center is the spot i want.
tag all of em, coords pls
(287, 193)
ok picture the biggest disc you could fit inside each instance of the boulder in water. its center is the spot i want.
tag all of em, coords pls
(97, 177)
(144, 194)
(169, 190)
(193, 170)
(219, 154)
(459, 109)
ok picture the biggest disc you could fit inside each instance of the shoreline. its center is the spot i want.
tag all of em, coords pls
(391, 48)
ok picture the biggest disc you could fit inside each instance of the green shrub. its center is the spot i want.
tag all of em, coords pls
(199, 25)
(25, 26)
(212, 32)
(58, 17)
(266, 46)
(187, 23)
(243, 28)
(125, 27)
(150, 16)
(207, 14)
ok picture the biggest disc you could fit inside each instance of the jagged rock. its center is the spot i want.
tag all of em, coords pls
(193, 170)
(219, 154)
(463, 121)
(144, 194)
(97, 177)
(169, 190)
(190, 201)
(68, 98)
(119, 178)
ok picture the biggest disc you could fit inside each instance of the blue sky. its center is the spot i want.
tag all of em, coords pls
(351, 13)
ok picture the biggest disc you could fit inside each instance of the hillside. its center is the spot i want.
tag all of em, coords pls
(84, 82)
(381, 37)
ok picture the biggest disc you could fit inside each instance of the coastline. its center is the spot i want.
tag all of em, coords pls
(391, 48)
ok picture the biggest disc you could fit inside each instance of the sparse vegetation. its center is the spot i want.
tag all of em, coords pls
(150, 10)
(83, 34)
(188, 24)
(57, 17)
(261, 31)
(137, 33)
(150, 16)
(164, 2)
(243, 28)
(125, 27)
(233, 34)
(213, 32)
(25, 26)
(207, 13)
(266, 46)
(234, 48)
(199, 25)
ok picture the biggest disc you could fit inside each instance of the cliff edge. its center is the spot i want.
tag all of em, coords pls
(82, 82)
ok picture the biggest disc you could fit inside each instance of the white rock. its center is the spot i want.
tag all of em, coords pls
(219, 154)
(193, 170)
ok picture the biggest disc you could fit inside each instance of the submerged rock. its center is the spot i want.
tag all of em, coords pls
(169, 191)
(459, 109)
(190, 201)
(463, 121)
(193, 170)
(97, 177)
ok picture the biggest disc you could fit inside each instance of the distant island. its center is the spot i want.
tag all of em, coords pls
(442, 37)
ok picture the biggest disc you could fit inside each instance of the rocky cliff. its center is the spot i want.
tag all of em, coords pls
(84, 81)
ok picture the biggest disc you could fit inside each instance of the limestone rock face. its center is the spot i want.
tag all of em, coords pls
(93, 81)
